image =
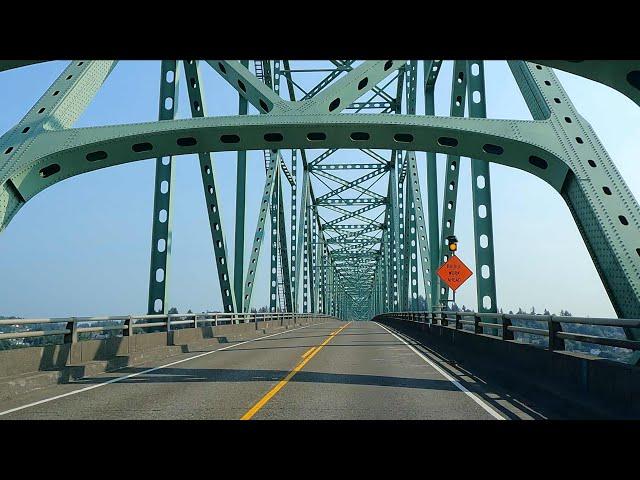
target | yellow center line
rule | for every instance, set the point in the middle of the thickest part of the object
(262, 402)
(308, 352)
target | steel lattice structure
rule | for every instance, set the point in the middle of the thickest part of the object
(352, 251)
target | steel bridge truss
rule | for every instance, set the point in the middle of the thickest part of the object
(360, 241)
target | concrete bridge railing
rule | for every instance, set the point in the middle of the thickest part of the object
(72, 326)
(67, 351)
(501, 325)
(485, 343)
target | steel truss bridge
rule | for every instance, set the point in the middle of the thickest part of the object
(359, 242)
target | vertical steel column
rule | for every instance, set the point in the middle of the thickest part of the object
(482, 214)
(294, 236)
(273, 271)
(394, 232)
(332, 290)
(458, 94)
(284, 253)
(162, 199)
(418, 225)
(306, 232)
(382, 297)
(301, 246)
(411, 247)
(312, 258)
(406, 263)
(403, 274)
(431, 70)
(410, 232)
(318, 269)
(389, 260)
(241, 190)
(275, 158)
(325, 282)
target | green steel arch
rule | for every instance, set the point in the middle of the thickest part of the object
(371, 255)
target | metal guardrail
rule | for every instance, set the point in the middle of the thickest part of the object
(503, 328)
(70, 326)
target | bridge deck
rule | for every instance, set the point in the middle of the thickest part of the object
(361, 371)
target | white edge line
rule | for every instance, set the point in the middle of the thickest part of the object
(119, 379)
(461, 387)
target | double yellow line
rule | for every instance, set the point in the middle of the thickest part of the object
(306, 357)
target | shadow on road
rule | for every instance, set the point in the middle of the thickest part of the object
(195, 375)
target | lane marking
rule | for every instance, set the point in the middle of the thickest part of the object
(488, 408)
(119, 379)
(263, 401)
(308, 352)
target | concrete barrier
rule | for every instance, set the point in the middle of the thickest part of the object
(596, 382)
(26, 369)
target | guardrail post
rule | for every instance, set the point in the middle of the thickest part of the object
(476, 327)
(432, 317)
(128, 323)
(195, 321)
(458, 324)
(555, 343)
(169, 322)
(72, 336)
(443, 320)
(506, 333)
(215, 320)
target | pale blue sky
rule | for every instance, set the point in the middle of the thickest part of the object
(82, 246)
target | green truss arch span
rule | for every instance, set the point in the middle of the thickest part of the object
(372, 267)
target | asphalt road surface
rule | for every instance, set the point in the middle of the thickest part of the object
(334, 370)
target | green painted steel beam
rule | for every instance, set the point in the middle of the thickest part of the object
(621, 75)
(431, 71)
(452, 172)
(273, 270)
(351, 201)
(354, 226)
(160, 257)
(301, 236)
(609, 223)
(259, 235)
(353, 85)
(241, 209)
(210, 189)
(419, 235)
(58, 108)
(250, 87)
(352, 183)
(481, 199)
(293, 227)
(346, 166)
(284, 253)
(499, 141)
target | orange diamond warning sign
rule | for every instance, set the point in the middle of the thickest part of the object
(454, 272)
